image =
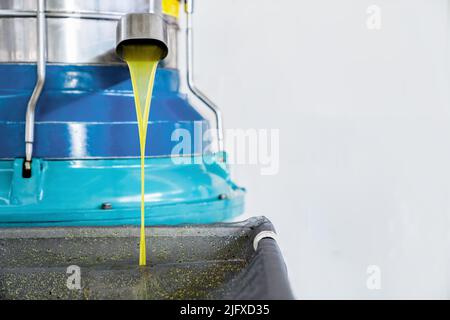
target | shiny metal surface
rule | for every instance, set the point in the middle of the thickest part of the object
(189, 9)
(78, 32)
(111, 6)
(70, 41)
(171, 61)
(143, 28)
(31, 108)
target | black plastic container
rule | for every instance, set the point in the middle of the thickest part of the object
(187, 262)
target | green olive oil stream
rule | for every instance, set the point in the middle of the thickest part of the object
(142, 62)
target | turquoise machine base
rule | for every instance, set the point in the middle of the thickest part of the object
(107, 192)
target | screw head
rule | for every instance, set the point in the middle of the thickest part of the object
(106, 206)
(223, 196)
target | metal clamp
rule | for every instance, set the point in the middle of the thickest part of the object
(189, 9)
(31, 108)
(264, 235)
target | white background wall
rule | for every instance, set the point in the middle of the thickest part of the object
(364, 119)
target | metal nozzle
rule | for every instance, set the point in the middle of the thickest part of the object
(142, 28)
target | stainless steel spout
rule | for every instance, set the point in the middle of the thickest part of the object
(142, 28)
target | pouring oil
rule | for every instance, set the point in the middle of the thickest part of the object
(142, 62)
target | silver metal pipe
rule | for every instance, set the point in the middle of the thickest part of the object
(41, 63)
(189, 9)
(142, 28)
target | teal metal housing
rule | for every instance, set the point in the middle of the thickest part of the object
(87, 168)
(107, 192)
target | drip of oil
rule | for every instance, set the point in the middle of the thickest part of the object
(142, 62)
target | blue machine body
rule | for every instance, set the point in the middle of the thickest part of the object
(86, 166)
(88, 112)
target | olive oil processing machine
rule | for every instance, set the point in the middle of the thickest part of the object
(70, 168)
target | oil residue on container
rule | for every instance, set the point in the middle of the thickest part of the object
(142, 62)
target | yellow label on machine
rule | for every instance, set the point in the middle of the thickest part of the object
(171, 8)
